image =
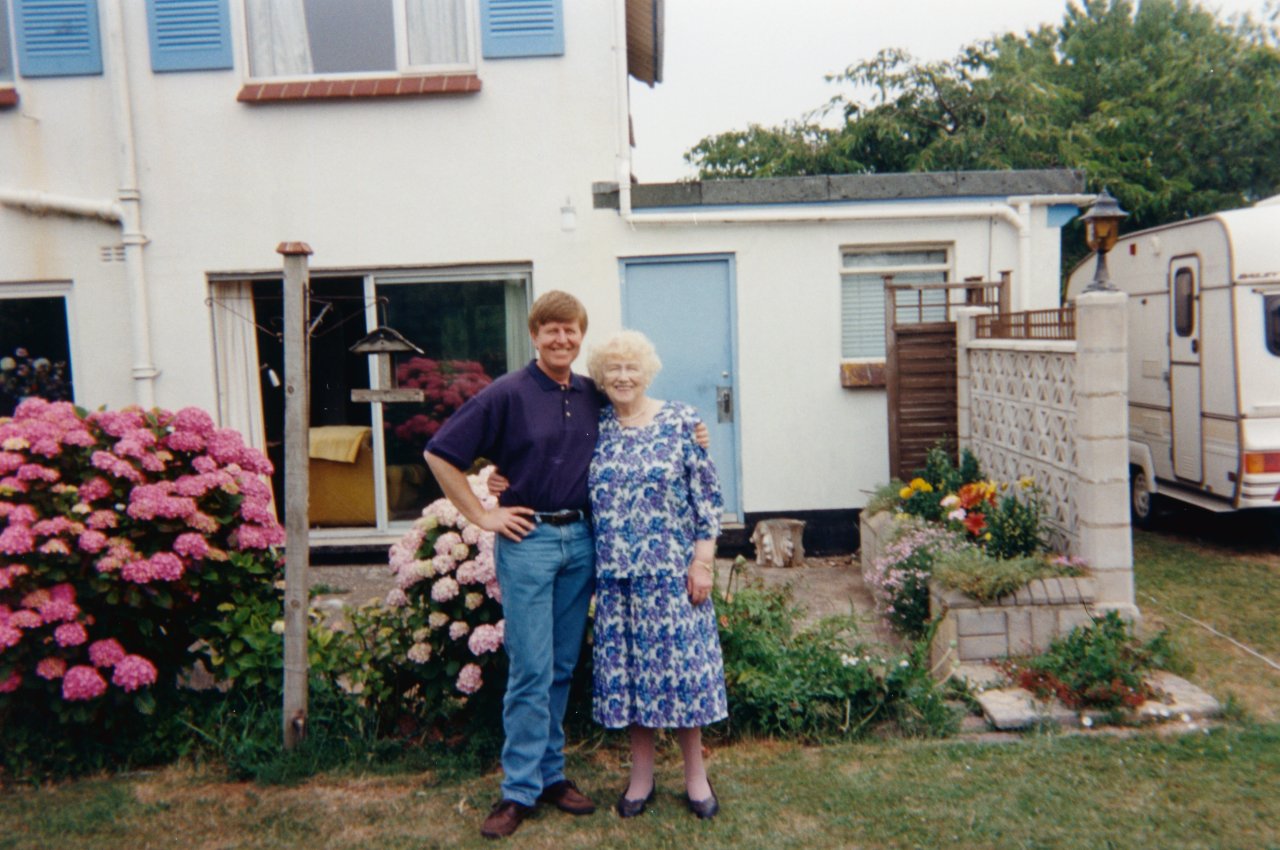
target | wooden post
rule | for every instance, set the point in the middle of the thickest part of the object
(297, 414)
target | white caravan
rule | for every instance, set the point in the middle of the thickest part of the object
(1204, 358)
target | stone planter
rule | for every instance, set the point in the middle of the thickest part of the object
(873, 534)
(1023, 623)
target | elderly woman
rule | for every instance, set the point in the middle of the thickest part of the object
(655, 505)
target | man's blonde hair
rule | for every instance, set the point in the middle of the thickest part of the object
(557, 306)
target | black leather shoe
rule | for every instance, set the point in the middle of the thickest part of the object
(628, 808)
(705, 809)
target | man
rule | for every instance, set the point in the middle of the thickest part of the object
(538, 425)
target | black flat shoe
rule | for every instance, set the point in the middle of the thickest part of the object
(705, 809)
(628, 808)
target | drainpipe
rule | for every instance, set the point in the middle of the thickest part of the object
(130, 203)
(623, 97)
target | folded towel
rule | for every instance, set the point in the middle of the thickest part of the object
(339, 443)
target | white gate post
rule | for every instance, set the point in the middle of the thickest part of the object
(1102, 444)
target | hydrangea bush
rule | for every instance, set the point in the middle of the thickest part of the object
(435, 645)
(121, 532)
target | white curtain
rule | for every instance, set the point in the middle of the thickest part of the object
(235, 345)
(437, 32)
(278, 41)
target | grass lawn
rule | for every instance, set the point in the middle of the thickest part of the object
(1144, 789)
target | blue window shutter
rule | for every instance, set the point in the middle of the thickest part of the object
(510, 28)
(189, 35)
(58, 38)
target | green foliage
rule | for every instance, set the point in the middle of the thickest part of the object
(818, 683)
(899, 578)
(1174, 110)
(885, 498)
(1101, 666)
(987, 577)
(1014, 524)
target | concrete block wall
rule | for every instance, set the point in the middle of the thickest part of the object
(1072, 437)
(1023, 623)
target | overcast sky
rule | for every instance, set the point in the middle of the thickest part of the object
(729, 63)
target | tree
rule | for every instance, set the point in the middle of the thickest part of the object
(1177, 112)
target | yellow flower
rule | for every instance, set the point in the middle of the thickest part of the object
(987, 536)
(921, 485)
(1026, 481)
(905, 493)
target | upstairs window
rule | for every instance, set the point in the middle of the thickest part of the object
(298, 38)
(862, 293)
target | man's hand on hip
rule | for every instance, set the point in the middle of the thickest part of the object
(511, 523)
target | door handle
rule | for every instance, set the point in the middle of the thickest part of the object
(1195, 346)
(724, 404)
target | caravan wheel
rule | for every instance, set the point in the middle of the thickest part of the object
(1142, 502)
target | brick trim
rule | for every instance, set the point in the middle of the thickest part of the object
(8, 97)
(347, 89)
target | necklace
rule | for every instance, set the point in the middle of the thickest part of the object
(643, 410)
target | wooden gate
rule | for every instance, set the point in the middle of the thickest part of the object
(920, 363)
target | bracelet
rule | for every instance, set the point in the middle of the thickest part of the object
(703, 564)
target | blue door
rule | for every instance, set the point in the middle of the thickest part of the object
(685, 305)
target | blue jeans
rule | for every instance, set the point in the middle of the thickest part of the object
(547, 580)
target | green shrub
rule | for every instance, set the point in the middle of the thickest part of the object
(1098, 666)
(818, 683)
(986, 577)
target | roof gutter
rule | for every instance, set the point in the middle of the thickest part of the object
(1015, 211)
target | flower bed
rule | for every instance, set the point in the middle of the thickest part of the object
(953, 549)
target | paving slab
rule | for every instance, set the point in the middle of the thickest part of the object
(1017, 708)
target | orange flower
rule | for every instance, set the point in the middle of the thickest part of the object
(975, 522)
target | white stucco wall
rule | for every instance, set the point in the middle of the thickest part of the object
(444, 181)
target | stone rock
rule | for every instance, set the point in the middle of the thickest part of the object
(779, 542)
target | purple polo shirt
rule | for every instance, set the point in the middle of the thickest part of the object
(541, 436)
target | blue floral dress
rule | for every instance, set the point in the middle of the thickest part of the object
(653, 493)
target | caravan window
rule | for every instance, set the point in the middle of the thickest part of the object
(1184, 292)
(1272, 313)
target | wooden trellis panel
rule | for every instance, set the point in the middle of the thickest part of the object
(920, 364)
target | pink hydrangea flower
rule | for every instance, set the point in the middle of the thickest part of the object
(27, 619)
(444, 590)
(191, 545)
(9, 636)
(458, 630)
(484, 638)
(36, 472)
(102, 519)
(70, 634)
(11, 684)
(396, 598)
(185, 441)
(133, 672)
(92, 541)
(419, 653)
(470, 679)
(193, 420)
(105, 653)
(137, 570)
(51, 668)
(167, 566)
(82, 682)
(17, 539)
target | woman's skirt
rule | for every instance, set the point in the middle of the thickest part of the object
(657, 657)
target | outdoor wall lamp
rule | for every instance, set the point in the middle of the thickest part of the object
(1101, 229)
